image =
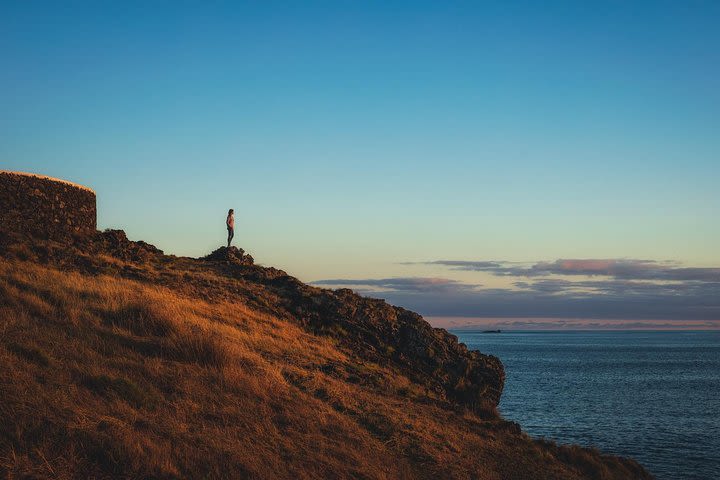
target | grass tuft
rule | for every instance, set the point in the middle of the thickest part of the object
(30, 354)
(196, 346)
(144, 317)
(123, 388)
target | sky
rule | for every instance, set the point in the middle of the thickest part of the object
(483, 163)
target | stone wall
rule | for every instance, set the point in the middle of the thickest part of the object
(45, 207)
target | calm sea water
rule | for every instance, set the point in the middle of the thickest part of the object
(653, 396)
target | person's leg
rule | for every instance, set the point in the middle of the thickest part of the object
(231, 234)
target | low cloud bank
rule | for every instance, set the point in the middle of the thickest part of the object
(628, 269)
(563, 289)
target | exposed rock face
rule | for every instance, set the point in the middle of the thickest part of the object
(45, 207)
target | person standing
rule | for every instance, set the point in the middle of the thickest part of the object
(230, 222)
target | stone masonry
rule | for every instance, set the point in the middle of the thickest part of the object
(45, 207)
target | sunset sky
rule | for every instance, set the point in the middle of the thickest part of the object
(506, 163)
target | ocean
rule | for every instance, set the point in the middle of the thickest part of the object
(653, 396)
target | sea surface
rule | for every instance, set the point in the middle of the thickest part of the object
(653, 396)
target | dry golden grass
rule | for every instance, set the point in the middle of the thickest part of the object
(103, 377)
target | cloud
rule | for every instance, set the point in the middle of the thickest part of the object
(570, 323)
(564, 289)
(492, 266)
(399, 284)
(628, 269)
(655, 302)
(461, 264)
(617, 268)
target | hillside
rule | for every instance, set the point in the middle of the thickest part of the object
(117, 360)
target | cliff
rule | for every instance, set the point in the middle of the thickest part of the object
(121, 361)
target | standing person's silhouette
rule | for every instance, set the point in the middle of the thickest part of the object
(230, 222)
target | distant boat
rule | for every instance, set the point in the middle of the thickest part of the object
(492, 331)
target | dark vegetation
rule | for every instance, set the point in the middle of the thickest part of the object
(119, 361)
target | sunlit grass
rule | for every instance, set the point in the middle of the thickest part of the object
(102, 376)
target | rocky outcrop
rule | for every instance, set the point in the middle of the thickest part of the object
(116, 244)
(231, 255)
(45, 207)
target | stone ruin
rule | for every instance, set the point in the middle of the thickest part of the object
(45, 207)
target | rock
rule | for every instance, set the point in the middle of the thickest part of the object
(232, 255)
(116, 244)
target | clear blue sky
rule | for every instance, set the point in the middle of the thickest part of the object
(352, 136)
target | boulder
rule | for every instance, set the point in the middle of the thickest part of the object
(231, 255)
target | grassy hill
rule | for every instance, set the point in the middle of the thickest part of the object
(118, 361)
